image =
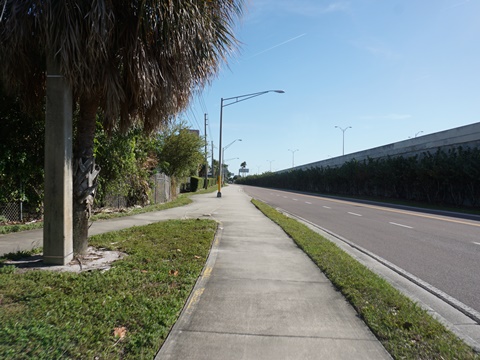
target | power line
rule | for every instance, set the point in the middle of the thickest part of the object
(195, 119)
(202, 103)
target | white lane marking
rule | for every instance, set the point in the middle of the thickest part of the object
(295, 199)
(309, 203)
(397, 211)
(476, 243)
(354, 214)
(285, 197)
(405, 226)
(327, 207)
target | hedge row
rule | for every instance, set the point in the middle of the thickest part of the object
(446, 178)
(198, 183)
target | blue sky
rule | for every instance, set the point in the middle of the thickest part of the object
(389, 69)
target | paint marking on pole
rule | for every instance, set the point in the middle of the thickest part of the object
(405, 226)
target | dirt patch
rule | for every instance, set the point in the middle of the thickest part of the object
(95, 259)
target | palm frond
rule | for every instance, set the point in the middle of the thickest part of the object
(142, 59)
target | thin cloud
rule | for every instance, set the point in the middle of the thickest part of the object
(276, 46)
(307, 8)
(337, 6)
(377, 48)
(381, 51)
(457, 5)
(392, 116)
(313, 9)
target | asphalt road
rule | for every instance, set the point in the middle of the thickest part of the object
(443, 251)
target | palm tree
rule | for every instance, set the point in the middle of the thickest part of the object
(137, 61)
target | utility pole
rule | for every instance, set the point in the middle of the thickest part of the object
(206, 155)
(212, 167)
(58, 222)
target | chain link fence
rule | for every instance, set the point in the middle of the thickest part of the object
(161, 189)
(12, 211)
(114, 201)
(160, 192)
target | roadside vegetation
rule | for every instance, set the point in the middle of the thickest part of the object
(125, 312)
(405, 330)
(182, 199)
(444, 178)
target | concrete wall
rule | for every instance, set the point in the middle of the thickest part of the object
(465, 136)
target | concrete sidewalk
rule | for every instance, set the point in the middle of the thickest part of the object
(201, 207)
(259, 297)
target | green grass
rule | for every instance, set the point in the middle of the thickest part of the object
(183, 199)
(179, 201)
(7, 229)
(46, 315)
(405, 330)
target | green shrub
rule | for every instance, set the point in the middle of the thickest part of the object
(196, 183)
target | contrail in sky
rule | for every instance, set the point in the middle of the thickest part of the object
(275, 46)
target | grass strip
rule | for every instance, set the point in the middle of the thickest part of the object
(181, 200)
(405, 330)
(48, 315)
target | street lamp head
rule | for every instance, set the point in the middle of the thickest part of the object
(279, 91)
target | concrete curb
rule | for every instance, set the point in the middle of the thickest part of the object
(457, 305)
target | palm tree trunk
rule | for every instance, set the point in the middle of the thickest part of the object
(85, 173)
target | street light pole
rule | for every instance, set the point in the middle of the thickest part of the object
(226, 147)
(223, 157)
(219, 176)
(205, 185)
(270, 161)
(235, 99)
(343, 142)
(293, 156)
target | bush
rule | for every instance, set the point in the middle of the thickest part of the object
(196, 183)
